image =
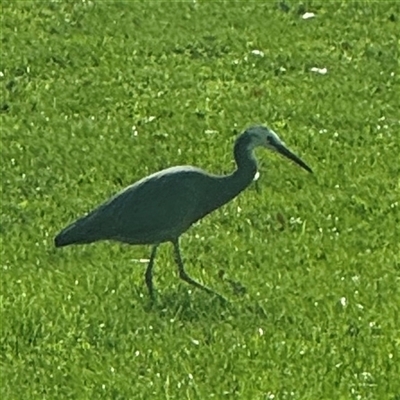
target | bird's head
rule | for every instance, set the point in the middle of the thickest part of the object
(265, 137)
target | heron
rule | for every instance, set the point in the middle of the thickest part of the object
(161, 207)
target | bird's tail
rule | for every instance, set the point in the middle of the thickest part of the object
(79, 232)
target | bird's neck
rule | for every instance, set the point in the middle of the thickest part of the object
(224, 188)
(246, 164)
(244, 174)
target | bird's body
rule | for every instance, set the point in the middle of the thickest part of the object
(162, 206)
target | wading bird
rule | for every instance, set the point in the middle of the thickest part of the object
(162, 206)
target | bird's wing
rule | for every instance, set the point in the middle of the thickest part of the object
(152, 210)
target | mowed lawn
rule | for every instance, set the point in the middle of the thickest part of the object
(96, 95)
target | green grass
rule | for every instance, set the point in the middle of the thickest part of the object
(97, 95)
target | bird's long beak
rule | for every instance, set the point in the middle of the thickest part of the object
(287, 153)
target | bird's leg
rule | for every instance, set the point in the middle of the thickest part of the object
(149, 271)
(183, 275)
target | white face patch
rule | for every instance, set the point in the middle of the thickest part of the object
(264, 137)
(273, 140)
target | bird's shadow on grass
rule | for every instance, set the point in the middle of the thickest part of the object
(189, 306)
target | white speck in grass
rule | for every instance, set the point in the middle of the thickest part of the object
(343, 301)
(366, 375)
(260, 331)
(321, 71)
(390, 355)
(210, 132)
(195, 341)
(76, 282)
(112, 370)
(295, 221)
(149, 119)
(103, 386)
(137, 353)
(140, 260)
(256, 176)
(134, 130)
(270, 396)
(92, 117)
(308, 15)
(360, 306)
(190, 376)
(239, 210)
(1, 74)
(335, 135)
(258, 53)
(323, 131)
(355, 279)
